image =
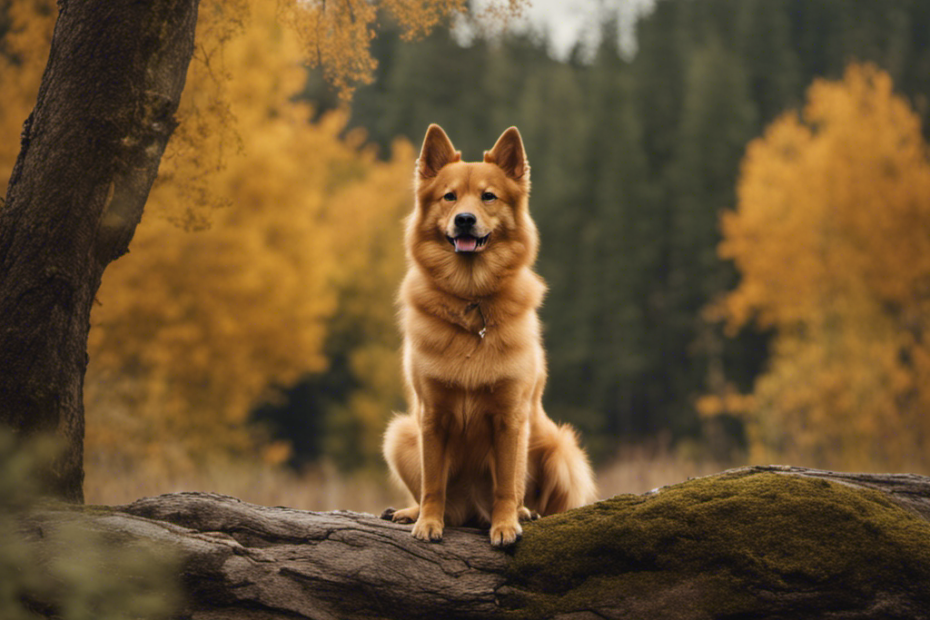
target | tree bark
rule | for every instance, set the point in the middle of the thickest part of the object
(90, 152)
(256, 563)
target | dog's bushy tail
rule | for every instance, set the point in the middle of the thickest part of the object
(563, 476)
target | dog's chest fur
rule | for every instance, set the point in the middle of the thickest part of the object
(471, 343)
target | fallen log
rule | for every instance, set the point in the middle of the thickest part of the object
(754, 542)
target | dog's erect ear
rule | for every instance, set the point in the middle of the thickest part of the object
(437, 151)
(509, 155)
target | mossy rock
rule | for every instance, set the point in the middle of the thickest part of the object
(745, 545)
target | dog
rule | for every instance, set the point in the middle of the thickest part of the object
(476, 447)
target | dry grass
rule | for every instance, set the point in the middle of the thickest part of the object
(643, 467)
(636, 469)
(321, 488)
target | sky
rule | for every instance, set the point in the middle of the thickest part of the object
(566, 21)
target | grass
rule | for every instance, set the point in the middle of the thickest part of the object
(111, 481)
(638, 468)
(320, 488)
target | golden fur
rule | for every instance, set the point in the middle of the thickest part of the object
(473, 358)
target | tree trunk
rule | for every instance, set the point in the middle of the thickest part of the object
(761, 542)
(90, 152)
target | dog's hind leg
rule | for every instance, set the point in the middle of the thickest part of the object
(402, 453)
(560, 475)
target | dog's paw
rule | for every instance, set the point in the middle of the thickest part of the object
(407, 515)
(429, 530)
(505, 534)
(525, 514)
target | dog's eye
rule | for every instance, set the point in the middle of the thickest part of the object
(488, 196)
(449, 196)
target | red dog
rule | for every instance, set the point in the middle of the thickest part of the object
(476, 446)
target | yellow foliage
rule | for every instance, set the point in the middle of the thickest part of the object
(832, 238)
(337, 34)
(418, 17)
(332, 34)
(194, 328)
(371, 267)
(728, 400)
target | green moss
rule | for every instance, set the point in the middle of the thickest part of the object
(723, 543)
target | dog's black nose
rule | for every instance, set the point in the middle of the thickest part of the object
(465, 220)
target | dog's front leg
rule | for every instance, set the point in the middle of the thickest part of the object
(511, 442)
(433, 457)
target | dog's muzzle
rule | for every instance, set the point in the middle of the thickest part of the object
(465, 239)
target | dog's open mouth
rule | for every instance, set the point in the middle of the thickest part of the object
(468, 243)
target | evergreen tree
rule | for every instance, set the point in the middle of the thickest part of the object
(618, 255)
(763, 43)
(718, 119)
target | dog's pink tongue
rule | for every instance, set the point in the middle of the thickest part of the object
(465, 244)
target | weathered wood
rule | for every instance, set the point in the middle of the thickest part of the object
(249, 562)
(90, 152)
(322, 565)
